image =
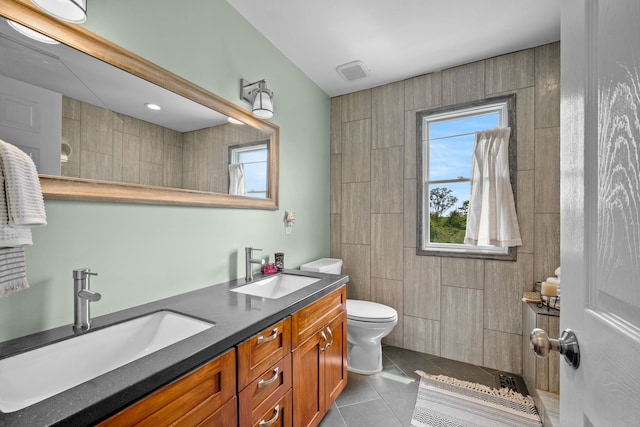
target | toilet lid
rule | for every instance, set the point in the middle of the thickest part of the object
(368, 311)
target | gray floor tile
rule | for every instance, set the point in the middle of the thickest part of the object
(387, 399)
(367, 414)
(358, 390)
(333, 418)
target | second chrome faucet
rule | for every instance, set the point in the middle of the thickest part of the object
(249, 261)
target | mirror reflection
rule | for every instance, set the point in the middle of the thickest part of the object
(80, 117)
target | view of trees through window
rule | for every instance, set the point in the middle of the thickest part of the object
(447, 225)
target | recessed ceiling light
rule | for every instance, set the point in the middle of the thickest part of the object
(152, 106)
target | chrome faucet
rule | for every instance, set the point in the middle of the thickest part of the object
(82, 295)
(248, 260)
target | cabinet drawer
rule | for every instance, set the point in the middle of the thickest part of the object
(265, 391)
(197, 394)
(278, 415)
(262, 351)
(308, 321)
(226, 416)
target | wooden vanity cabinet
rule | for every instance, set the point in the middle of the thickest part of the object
(276, 386)
(264, 377)
(203, 397)
(320, 357)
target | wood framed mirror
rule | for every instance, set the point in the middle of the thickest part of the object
(178, 175)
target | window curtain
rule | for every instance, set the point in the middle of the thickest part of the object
(236, 179)
(491, 219)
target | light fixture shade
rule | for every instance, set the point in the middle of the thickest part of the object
(263, 105)
(26, 31)
(74, 11)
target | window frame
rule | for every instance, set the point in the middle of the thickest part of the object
(460, 250)
(246, 147)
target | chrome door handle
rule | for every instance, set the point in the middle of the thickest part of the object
(567, 345)
(263, 383)
(326, 342)
(330, 336)
(265, 423)
(262, 340)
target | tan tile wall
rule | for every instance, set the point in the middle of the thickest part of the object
(463, 309)
(114, 147)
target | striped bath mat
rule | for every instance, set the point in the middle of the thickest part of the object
(445, 401)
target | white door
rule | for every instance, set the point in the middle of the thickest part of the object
(600, 210)
(31, 119)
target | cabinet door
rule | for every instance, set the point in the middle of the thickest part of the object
(308, 389)
(335, 359)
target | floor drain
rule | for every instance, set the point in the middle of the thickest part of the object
(513, 382)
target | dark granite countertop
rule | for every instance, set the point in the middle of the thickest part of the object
(236, 317)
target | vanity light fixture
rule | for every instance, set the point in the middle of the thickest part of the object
(74, 11)
(152, 106)
(259, 96)
(34, 35)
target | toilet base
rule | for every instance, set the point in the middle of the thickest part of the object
(364, 359)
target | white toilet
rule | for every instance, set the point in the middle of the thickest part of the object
(367, 323)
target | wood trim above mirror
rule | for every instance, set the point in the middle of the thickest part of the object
(65, 188)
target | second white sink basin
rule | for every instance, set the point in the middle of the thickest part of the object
(276, 286)
(33, 376)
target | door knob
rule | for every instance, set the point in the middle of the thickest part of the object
(567, 345)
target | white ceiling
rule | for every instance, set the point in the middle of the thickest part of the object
(397, 39)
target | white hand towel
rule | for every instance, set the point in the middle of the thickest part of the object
(22, 188)
(557, 272)
(10, 236)
(21, 207)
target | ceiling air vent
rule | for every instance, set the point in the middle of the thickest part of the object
(353, 70)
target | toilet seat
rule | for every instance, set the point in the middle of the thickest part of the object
(372, 312)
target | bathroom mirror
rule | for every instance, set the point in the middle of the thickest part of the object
(113, 148)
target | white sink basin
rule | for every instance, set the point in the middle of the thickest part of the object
(276, 286)
(33, 376)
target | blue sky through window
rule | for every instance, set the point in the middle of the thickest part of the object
(451, 148)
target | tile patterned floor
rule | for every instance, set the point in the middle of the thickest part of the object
(387, 399)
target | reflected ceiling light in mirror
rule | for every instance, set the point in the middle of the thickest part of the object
(74, 11)
(234, 121)
(259, 96)
(152, 106)
(34, 35)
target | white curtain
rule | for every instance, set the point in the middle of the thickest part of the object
(236, 179)
(492, 220)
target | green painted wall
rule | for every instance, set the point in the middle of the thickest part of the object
(143, 252)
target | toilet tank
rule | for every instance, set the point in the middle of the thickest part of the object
(324, 265)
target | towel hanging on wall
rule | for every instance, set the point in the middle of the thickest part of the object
(21, 208)
(492, 219)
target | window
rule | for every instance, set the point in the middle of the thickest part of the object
(446, 138)
(254, 158)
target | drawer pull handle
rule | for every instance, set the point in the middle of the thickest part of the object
(271, 337)
(263, 383)
(272, 420)
(330, 336)
(326, 342)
